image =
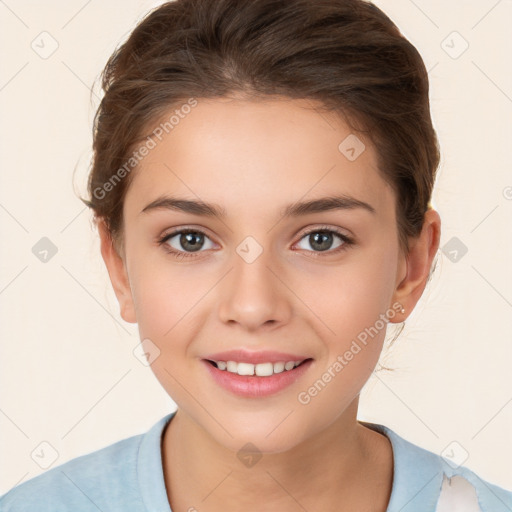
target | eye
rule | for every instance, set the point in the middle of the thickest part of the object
(326, 240)
(185, 242)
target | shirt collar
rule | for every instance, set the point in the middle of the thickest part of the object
(150, 471)
(417, 473)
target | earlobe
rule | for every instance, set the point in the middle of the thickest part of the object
(118, 274)
(418, 262)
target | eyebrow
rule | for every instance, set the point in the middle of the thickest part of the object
(322, 204)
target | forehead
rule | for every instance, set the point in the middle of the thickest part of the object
(247, 153)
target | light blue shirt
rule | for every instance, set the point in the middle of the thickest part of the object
(128, 476)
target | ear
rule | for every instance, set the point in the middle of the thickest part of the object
(118, 274)
(418, 263)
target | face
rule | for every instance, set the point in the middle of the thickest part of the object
(311, 285)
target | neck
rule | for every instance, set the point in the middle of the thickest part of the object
(346, 462)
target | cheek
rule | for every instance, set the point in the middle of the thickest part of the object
(350, 297)
(164, 296)
(166, 305)
(356, 307)
(162, 289)
(157, 302)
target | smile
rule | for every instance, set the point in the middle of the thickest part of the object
(259, 378)
(261, 369)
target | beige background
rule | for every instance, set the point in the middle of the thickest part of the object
(68, 374)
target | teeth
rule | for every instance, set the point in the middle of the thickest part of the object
(261, 369)
(289, 365)
(278, 367)
(245, 369)
(264, 369)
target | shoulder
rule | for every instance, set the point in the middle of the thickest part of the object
(424, 481)
(106, 479)
(81, 482)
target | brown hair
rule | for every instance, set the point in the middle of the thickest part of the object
(346, 54)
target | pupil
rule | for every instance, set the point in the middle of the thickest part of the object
(188, 239)
(323, 239)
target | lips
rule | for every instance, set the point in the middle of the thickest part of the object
(256, 374)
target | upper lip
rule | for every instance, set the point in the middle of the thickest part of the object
(255, 357)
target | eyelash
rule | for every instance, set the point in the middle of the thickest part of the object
(347, 241)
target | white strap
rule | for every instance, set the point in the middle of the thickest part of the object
(457, 495)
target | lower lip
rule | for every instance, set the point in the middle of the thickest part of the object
(254, 386)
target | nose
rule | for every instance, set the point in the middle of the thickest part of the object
(253, 296)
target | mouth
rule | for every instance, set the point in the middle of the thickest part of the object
(256, 375)
(264, 369)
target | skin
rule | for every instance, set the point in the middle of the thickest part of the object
(315, 455)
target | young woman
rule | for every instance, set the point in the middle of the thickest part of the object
(261, 184)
